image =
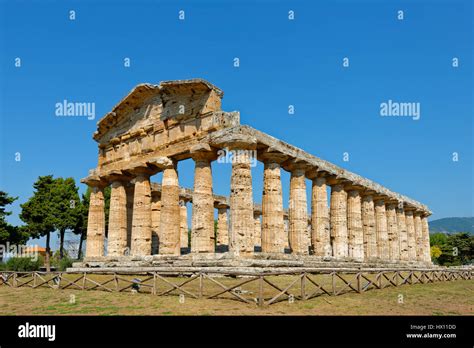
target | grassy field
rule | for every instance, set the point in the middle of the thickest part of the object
(441, 298)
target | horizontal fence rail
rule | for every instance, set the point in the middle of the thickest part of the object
(249, 287)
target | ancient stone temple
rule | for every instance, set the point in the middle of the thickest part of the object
(346, 219)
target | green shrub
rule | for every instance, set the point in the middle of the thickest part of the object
(62, 265)
(24, 264)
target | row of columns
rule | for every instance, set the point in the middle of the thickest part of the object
(357, 224)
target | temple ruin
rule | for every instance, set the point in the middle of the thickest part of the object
(156, 126)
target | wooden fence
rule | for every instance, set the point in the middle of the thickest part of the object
(249, 287)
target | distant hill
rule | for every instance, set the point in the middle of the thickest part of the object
(452, 225)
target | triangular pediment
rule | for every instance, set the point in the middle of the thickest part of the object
(149, 105)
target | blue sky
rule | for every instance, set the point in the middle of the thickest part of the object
(282, 62)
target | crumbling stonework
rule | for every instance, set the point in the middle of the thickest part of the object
(156, 126)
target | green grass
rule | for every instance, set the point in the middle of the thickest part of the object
(440, 298)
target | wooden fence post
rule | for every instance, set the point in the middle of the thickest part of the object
(260, 292)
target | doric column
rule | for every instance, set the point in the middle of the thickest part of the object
(170, 213)
(320, 232)
(298, 211)
(202, 232)
(426, 238)
(129, 189)
(402, 232)
(141, 220)
(418, 236)
(183, 214)
(273, 229)
(381, 229)
(222, 227)
(242, 224)
(411, 235)
(338, 220)
(368, 227)
(257, 236)
(155, 222)
(117, 234)
(96, 217)
(354, 225)
(392, 228)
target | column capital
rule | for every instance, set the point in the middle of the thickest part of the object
(161, 163)
(94, 180)
(333, 180)
(221, 205)
(135, 169)
(296, 165)
(349, 187)
(203, 152)
(235, 141)
(116, 175)
(271, 155)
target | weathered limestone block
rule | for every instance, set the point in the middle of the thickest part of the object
(368, 228)
(354, 225)
(117, 238)
(381, 228)
(183, 213)
(426, 239)
(242, 225)
(403, 236)
(298, 213)
(257, 237)
(418, 236)
(222, 227)
(320, 232)
(273, 229)
(141, 220)
(411, 235)
(338, 216)
(170, 213)
(392, 227)
(96, 223)
(155, 223)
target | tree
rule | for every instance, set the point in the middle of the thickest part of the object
(66, 208)
(9, 233)
(438, 239)
(455, 249)
(435, 253)
(38, 212)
